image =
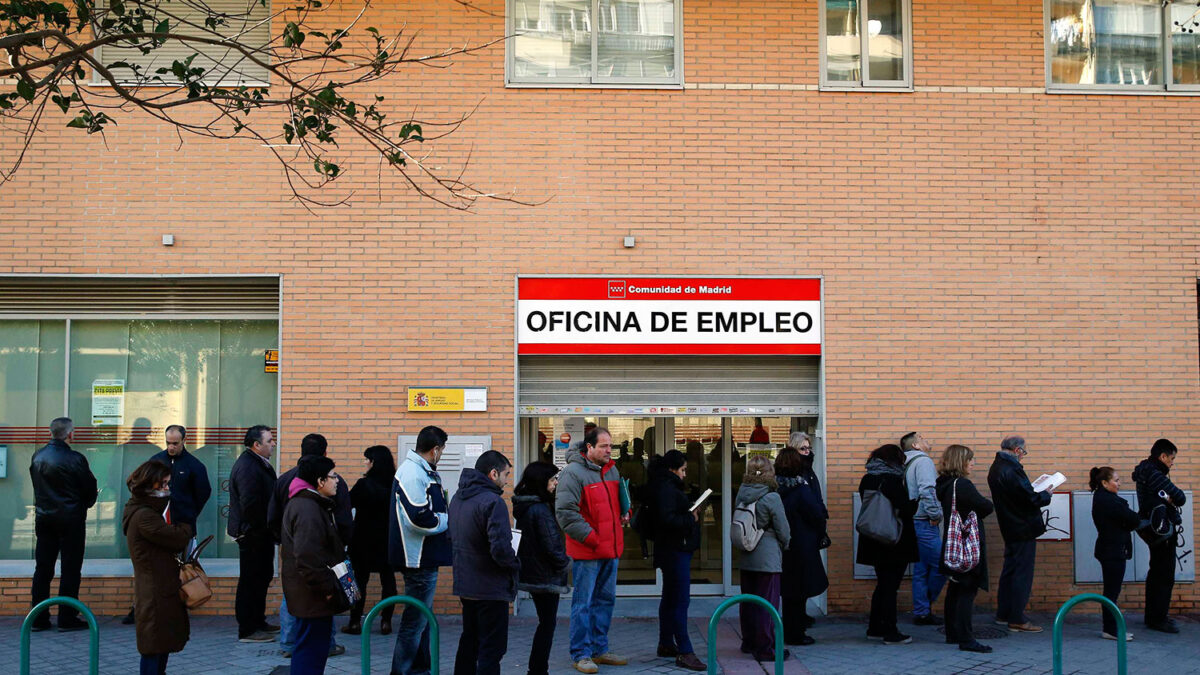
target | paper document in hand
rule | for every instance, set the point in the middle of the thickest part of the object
(1048, 481)
(706, 495)
(516, 540)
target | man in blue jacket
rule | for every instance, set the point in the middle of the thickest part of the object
(418, 544)
(485, 564)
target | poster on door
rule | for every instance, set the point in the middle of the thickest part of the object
(108, 403)
(571, 432)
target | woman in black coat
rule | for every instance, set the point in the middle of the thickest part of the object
(1114, 545)
(371, 498)
(676, 532)
(954, 488)
(543, 555)
(803, 571)
(885, 473)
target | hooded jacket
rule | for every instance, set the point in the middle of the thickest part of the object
(310, 546)
(417, 518)
(543, 555)
(588, 508)
(342, 513)
(485, 565)
(920, 475)
(1018, 507)
(190, 488)
(162, 618)
(64, 487)
(675, 529)
(889, 479)
(1151, 477)
(777, 534)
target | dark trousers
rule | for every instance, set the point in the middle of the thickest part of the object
(1016, 581)
(795, 619)
(256, 567)
(484, 637)
(153, 664)
(676, 596)
(362, 575)
(960, 604)
(546, 605)
(312, 645)
(1160, 580)
(1113, 572)
(758, 628)
(883, 601)
(53, 539)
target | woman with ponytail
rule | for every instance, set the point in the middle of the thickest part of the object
(1114, 546)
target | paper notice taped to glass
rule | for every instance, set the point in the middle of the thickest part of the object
(1048, 481)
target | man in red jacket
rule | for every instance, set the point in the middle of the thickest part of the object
(588, 508)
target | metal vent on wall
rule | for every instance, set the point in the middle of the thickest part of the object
(45, 296)
(687, 381)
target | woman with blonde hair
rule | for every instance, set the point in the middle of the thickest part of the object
(762, 566)
(955, 489)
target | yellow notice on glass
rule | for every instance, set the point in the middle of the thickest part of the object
(442, 399)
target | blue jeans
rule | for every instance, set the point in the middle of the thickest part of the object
(153, 664)
(676, 596)
(312, 646)
(288, 629)
(592, 606)
(927, 578)
(411, 655)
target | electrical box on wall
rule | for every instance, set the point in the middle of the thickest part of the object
(461, 452)
(1087, 569)
(3, 461)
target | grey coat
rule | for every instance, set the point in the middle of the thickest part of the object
(768, 555)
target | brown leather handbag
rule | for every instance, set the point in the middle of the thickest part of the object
(194, 588)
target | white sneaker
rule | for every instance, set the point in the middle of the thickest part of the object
(1109, 636)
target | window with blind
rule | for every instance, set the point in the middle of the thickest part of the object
(247, 21)
(1126, 45)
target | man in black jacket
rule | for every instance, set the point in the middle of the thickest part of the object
(485, 565)
(1019, 513)
(190, 488)
(1159, 501)
(312, 445)
(250, 482)
(64, 488)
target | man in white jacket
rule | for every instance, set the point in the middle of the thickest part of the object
(920, 475)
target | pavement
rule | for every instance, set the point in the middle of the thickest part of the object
(840, 648)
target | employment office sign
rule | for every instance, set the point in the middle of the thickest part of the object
(683, 315)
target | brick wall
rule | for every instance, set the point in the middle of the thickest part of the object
(996, 259)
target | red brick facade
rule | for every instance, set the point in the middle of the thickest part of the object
(996, 259)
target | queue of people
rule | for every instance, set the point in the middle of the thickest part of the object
(398, 519)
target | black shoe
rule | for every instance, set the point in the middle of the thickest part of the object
(269, 628)
(975, 646)
(39, 626)
(352, 629)
(1168, 626)
(770, 657)
(667, 652)
(385, 628)
(928, 620)
(128, 619)
(690, 662)
(897, 638)
(76, 624)
(337, 650)
(799, 640)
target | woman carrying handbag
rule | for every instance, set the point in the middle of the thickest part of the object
(964, 553)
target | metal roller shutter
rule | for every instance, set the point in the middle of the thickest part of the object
(728, 385)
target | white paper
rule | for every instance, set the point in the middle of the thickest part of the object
(516, 539)
(1048, 481)
(700, 500)
(340, 569)
(472, 452)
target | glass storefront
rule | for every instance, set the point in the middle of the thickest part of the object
(123, 382)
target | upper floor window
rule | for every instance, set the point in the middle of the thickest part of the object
(1122, 45)
(594, 42)
(866, 44)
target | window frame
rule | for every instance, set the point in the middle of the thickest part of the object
(865, 83)
(1167, 64)
(594, 81)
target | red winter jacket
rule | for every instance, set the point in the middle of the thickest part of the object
(588, 508)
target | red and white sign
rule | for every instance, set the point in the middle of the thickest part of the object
(658, 315)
